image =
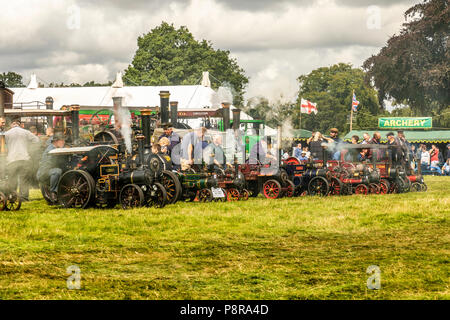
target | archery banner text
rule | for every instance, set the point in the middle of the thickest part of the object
(405, 123)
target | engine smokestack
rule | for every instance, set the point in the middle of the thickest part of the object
(49, 106)
(146, 127)
(236, 118)
(174, 113)
(75, 109)
(226, 115)
(164, 98)
(140, 140)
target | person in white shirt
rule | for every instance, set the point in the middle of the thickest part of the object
(18, 160)
(425, 157)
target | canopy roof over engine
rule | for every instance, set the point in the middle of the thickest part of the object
(423, 136)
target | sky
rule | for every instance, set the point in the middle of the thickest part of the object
(273, 41)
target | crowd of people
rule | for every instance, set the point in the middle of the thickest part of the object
(432, 161)
(28, 161)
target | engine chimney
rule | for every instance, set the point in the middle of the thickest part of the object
(146, 128)
(140, 140)
(174, 113)
(164, 98)
(226, 115)
(236, 118)
(49, 106)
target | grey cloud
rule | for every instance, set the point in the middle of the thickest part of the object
(380, 3)
(268, 37)
(127, 5)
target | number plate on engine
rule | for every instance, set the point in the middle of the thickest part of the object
(217, 193)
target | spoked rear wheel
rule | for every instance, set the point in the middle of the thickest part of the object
(76, 189)
(131, 196)
(157, 196)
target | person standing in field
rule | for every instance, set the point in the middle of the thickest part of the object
(18, 160)
(316, 146)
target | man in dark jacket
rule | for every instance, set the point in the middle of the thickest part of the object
(51, 167)
(172, 136)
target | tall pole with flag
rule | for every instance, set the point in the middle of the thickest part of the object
(300, 116)
(351, 113)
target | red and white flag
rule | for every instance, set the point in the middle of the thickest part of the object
(308, 107)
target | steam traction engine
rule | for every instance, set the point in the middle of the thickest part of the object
(101, 176)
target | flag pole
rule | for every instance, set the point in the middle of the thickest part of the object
(300, 115)
(351, 112)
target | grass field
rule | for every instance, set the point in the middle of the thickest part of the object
(301, 248)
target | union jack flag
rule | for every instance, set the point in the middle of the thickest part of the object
(355, 102)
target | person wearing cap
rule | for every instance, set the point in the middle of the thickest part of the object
(335, 141)
(172, 136)
(18, 160)
(394, 152)
(303, 156)
(51, 167)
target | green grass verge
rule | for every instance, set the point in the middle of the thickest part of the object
(300, 248)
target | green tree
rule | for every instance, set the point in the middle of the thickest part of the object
(170, 56)
(414, 66)
(11, 79)
(331, 88)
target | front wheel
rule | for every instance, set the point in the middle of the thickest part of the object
(13, 202)
(272, 189)
(318, 186)
(131, 196)
(205, 195)
(157, 196)
(233, 194)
